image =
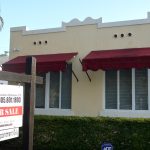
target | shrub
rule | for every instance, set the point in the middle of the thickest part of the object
(86, 133)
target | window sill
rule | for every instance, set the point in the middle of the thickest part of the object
(126, 113)
(54, 112)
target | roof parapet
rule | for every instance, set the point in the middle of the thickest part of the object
(87, 21)
(125, 23)
(77, 22)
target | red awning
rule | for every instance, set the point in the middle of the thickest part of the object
(45, 63)
(117, 59)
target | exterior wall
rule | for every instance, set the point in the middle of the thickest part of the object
(82, 37)
(3, 59)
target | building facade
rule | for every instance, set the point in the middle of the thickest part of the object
(106, 67)
(3, 58)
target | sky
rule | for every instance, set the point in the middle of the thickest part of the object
(41, 14)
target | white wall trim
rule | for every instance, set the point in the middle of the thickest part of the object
(87, 21)
(47, 87)
(103, 101)
(16, 29)
(60, 84)
(148, 89)
(124, 23)
(118, 89)
(43, 31)
(133, 88)
(54, 112)
(126, 113)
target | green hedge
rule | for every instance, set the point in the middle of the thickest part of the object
(85, 133)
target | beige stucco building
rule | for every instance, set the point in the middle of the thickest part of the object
(104, 92)
(3, 59)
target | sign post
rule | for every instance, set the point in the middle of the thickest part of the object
(30, 81)
(28, 119)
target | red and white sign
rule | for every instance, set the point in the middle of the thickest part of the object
(11, 106)
(10, 111)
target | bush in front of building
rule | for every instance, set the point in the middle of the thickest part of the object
(86, 133)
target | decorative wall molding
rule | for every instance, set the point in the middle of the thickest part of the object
(77, 22)
(40, 31)
(124, 23)
(16, 29)
(87, 21)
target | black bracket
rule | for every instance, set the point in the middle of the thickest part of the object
(75, 76)
(86, 71)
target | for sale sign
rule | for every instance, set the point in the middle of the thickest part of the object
(11, 106)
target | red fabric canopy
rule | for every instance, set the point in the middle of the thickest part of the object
(45, 63)
(117, 59)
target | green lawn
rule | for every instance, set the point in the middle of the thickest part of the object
(86, 133)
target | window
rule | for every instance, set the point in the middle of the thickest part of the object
(40, 94)
(111, 90)
(54, 89)
(66, 88)
(141, 89)
(60, 89)
(126, 89)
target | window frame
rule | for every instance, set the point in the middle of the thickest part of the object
(44, 86)
(133, 92)
(47, 92)
(60, 84)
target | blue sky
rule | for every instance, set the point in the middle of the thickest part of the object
(39, 14)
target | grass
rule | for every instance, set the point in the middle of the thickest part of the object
(86, 133)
